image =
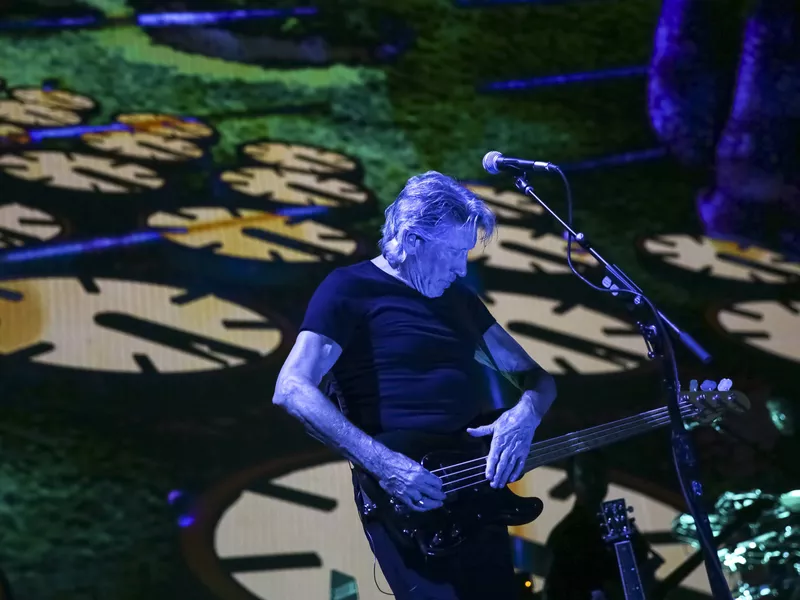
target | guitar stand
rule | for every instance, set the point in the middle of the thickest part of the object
(655, 328)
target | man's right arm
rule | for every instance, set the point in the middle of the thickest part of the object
(297, 392)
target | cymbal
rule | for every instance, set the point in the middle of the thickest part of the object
(791, 500)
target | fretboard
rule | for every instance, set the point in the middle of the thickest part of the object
(564, 446)
(629, 571)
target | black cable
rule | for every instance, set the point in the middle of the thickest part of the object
(669, 351)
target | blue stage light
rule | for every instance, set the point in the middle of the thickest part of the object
(62, 23)
(166, 19)
(616, 159)
(72, 248)
(565, 78)
(173, 19)
(37, 135)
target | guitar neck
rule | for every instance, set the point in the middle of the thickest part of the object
(564, 446)
(628, 571)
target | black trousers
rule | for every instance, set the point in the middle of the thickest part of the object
(482, 569)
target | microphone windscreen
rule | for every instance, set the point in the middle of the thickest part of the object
(490, 162)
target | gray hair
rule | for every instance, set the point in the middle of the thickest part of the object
(426, 202)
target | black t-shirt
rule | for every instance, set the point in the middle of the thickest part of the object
(407, 360)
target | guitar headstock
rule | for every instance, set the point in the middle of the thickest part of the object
(614, 520)
(711, 400)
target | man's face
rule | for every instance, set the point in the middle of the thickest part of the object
(439, 258)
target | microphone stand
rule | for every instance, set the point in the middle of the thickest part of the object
(655, 328)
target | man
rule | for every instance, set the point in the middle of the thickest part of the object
(400, 335)
(583, 565)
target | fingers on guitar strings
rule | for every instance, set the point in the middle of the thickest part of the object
(518, 468)
(504, 468)
(434, 491)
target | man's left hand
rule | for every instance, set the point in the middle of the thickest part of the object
(511, 442)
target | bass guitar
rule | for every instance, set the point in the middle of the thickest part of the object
(460, 462)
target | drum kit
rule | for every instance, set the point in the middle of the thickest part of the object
(758, 538)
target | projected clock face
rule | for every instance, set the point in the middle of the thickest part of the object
(255, 235)
(566, 339)
(80, 172)
(36, 115)
(722, 260)
(62, 99)
(296, 157)
(518, 246)
(652, 516)
(769, 326)
(507, 204)
(283, 537)
(7, 130)
(521, 249)
(296, 188)
(317, 531)
(144, 146)
(129, 327)
(20, 225)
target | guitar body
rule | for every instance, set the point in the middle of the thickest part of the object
(438, 533)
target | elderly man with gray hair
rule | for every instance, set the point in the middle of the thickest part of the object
(400, 335)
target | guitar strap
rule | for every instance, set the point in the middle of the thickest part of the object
(483, 350)
(330, 388)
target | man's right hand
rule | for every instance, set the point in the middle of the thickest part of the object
(410, 482)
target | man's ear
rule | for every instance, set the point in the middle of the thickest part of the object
(410, 243)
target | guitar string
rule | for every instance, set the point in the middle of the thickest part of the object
(556, 449)
(549, 447)
(481, 480)
(618, 427)
(683, 406)
(632, 418)
(589, 430)
(551, 455)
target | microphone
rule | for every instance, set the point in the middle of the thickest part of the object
(494, 162)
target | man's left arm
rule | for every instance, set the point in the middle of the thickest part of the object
(512, 433)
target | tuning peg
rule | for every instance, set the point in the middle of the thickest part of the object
(708, 385)
(693, 385)
(725, 385)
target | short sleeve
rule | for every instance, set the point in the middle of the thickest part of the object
(476, 309)
(330, 311)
